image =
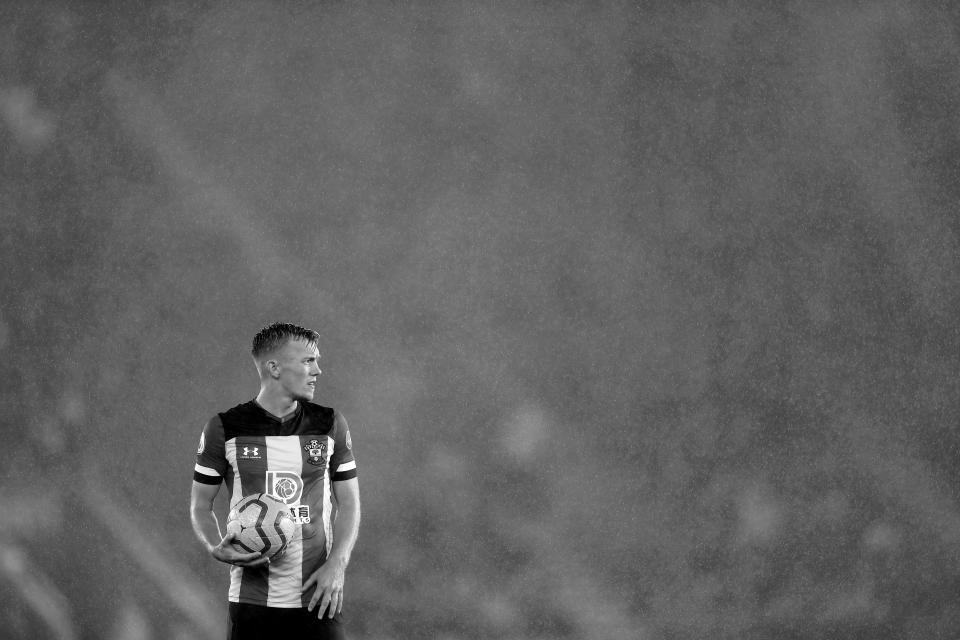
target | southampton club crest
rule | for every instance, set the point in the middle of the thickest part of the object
(316, 452)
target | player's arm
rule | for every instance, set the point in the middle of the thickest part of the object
(207, 528)
(329, 577)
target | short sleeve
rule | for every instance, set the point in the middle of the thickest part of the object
(211, 464)
(343, 466)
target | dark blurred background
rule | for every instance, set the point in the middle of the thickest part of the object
(644, 315)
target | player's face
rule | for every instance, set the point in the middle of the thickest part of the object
(299, 369)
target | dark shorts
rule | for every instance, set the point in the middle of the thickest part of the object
(256, 622)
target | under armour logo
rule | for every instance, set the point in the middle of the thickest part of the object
(250, 452)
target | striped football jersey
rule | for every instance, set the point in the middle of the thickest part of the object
(296, 460)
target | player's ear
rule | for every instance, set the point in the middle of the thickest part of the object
(268, 368)
(272, 367)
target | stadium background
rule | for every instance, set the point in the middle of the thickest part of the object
(644, 315)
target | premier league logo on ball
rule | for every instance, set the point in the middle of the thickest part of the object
(316, 452)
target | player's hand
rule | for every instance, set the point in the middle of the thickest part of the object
(226, 552)
(329, 593)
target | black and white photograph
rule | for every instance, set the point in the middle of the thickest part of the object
(469, 320)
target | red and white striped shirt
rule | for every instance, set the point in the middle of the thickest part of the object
(295, 459)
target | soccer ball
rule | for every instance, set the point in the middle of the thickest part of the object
(261, 524)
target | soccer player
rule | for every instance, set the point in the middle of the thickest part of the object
(284, 445)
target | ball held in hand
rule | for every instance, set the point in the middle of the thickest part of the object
(261, 524)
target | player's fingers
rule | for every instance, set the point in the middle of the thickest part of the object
(324, 603)
(246, 558)
(340, 602)
(250, 560)
(313, 599)
(336, 601)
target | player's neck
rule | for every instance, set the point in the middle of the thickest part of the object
(277, 405)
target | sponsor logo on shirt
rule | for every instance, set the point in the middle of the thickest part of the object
(249, 452)
(301, 514)
(285, 486)
(288, 487)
